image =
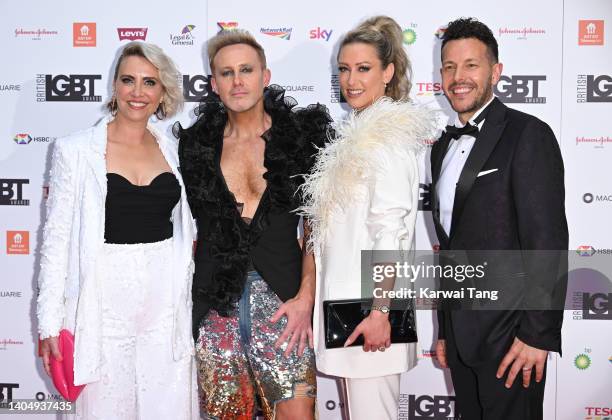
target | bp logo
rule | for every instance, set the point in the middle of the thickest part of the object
(582, 361)
(409, 36)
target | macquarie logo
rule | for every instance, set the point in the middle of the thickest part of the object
(298, 88)
(196, 87)
(132, 34)
(319, 33)
(521, 89)
(67, 88)
(592, 88)
(6, 87)
(10, 294)
(590, 32)
(11, 192)
(281, 33)
(590, 198)
(18, 242)
(84, 34)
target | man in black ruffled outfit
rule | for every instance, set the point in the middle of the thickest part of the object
(253, 287)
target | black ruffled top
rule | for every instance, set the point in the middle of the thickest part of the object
(226, 244)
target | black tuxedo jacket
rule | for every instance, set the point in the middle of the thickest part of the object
(520, 206)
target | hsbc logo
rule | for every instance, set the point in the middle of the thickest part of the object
(25, 138)
(132, 34)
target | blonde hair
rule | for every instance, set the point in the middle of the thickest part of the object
(233, 37)
(385, 35)
(169, 76)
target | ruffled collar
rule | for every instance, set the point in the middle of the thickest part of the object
(291, 142)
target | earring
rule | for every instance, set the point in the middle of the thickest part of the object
(113, 106)
(160, 113)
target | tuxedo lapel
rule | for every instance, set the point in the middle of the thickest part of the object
(441, 148)
(487, 140)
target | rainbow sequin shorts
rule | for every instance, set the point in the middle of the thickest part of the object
(238, 362)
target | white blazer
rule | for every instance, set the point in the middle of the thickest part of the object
(383, 218)
(363, 195)
(72, 239)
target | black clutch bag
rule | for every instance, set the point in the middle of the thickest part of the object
(341, 317)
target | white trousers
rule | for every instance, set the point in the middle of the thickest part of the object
(139, 378)
(373, 398)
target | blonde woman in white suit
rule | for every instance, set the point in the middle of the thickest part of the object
(363, 195)
(116, 260)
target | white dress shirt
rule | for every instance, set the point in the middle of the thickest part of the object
(452, 165)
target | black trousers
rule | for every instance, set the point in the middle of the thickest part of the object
(481, 396)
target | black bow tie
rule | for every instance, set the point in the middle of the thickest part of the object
(455, 133)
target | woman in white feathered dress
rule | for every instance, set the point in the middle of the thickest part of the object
(363, 195)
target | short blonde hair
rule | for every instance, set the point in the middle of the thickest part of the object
(169, 76)
(233, 37)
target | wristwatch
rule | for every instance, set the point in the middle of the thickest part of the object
(382, 308)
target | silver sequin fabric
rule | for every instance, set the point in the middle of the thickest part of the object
(237, 359)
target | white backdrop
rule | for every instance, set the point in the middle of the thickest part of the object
(557, 62)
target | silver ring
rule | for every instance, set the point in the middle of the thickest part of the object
(382, 348)
(525, 368)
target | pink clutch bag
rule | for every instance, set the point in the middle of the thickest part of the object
(63, 372)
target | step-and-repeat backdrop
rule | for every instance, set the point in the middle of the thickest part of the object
(557, 57)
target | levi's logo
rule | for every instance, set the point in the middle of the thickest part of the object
(132, 34)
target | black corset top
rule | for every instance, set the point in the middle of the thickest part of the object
(140, 214)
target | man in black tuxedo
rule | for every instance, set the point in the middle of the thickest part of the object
(497, 184)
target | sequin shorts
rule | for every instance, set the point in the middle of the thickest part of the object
(237, 359)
